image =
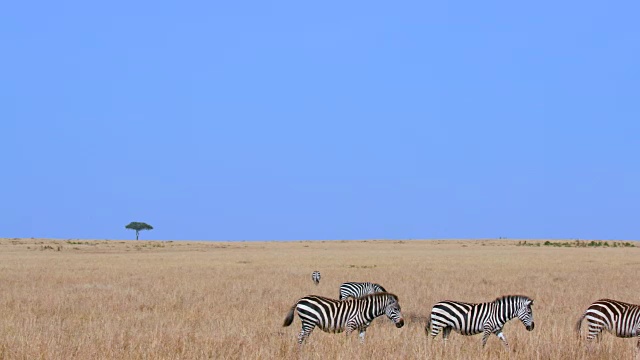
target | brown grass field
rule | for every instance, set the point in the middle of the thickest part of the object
(77, 299)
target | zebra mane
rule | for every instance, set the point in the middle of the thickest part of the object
(380, 294)
(519, 297)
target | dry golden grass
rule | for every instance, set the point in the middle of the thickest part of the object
(199, 300)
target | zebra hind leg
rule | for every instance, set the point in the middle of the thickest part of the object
(307, 328)
(595, 330)
(445, 334)
(432, 329)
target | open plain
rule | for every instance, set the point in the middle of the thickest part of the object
(108, 299)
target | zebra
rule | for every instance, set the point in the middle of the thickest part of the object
(486, 318)
(620, 318)
(316, 277)
(337, 316)
(359, 289)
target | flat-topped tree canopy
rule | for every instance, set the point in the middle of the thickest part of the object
(138, 226)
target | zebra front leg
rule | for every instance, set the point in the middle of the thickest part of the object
(362, 333)
(501, 336)
(349, 328)
(363, 330)
(485, 337)
(353, 326)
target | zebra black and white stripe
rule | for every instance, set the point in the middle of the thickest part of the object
(620, 318)
(487, 318)
(316, 277)
(336, 316)
(359, 289)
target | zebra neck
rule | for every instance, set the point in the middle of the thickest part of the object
(372, 309)
(504, 312)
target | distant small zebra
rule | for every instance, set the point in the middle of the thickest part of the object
(359, 289)
(487, 318)
(336, 316)
(619, 318)
(316, 277)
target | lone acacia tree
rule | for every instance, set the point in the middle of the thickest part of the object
(138, 226)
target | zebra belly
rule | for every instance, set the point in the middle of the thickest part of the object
(615, 329)
(460, 329)
(472, 325)
(335, 327)
(332, 330)
(624, 334)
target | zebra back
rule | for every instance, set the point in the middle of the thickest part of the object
(359, 289)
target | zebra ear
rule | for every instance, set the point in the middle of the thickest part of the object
(531, 302)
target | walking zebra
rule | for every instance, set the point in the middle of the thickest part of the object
(486, 318)
(336, 316)
(316, 277)
(359, 289)
(621, 319)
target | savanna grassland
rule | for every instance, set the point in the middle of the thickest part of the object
(77, 299)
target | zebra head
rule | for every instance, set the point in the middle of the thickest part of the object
(392, 310)
(524, 312)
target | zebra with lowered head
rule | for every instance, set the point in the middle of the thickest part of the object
(620, 318)
(337, 316)
(316, 277)
(359, 289)
(487, 318)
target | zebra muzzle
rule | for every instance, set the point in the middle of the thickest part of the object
(400, 323)
(529, 328)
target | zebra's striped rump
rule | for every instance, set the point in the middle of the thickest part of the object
(486, 318)
(620, 318)
(359, 289)
(336, 316)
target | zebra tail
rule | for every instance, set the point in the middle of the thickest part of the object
(428, 327)
(289, 319)
(579, 324)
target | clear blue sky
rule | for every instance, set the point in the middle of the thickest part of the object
(263, 120)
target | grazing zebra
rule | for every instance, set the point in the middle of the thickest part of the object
(316, 277)
(486, 318)
(336, 316)
(621, 319)
(359, 289)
